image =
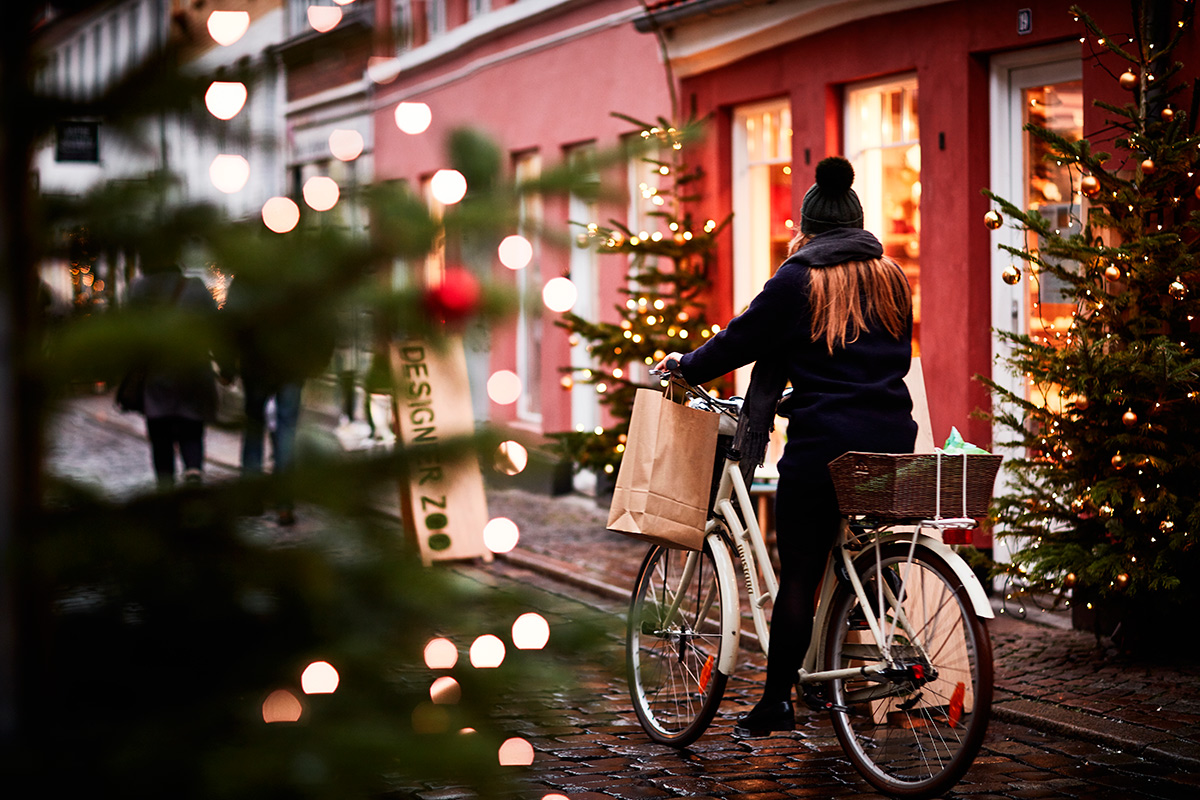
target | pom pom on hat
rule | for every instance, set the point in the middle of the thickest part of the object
(830, 203)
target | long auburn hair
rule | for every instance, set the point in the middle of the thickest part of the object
(848, 298)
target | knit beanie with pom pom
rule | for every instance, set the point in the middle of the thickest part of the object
(831, 203)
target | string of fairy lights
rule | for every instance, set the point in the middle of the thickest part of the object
(1135, 197)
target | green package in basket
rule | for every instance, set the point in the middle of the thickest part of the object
(955, 445)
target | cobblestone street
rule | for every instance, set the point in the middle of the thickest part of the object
(1072, 719)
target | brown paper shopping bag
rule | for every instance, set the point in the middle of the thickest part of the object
(665, 477)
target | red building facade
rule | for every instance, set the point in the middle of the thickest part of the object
(926, 98)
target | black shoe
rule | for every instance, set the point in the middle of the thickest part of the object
(766, 718)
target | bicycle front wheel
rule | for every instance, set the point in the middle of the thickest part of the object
(674, 642)
(914, 731)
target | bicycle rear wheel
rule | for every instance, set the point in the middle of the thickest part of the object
(674, 642)
(915, 732)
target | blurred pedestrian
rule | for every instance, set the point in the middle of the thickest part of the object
(179, 393)
(276, 355)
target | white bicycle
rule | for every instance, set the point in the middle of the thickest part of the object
(900, 642)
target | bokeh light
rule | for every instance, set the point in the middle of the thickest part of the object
(229, 173)
(321, 192)
(440, 654)
(445, 691)
(280, 214)
(448, 186)
(319, 677)
(346, 145)
(226, 27)
(281, 706)
(504, 387)
(516, 752)
(511, 457)
(555, 797)
(324, 18)
(224, 99)
(343, 2)
(487, 652)
(560, 294)
(515, 251)
(500, 535)
(413, 118)
(530, 631)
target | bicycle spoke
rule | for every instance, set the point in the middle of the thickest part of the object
(914, 730)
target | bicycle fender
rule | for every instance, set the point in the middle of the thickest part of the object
(979, 600)
(731, 622)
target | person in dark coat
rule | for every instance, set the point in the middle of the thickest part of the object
(276, 354)
(836, 321)
(180, 394)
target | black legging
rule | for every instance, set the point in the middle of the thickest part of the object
(167, 432)
(806, 524)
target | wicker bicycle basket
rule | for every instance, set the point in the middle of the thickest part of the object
(909, 486)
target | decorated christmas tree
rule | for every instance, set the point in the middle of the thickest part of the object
(664, 310)
(1104, 494)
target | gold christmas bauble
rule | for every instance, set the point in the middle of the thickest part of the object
(1168, 114)
(1112, 272)
(1081, 403)
(993, 219)
(566, 382)
(1129, 418)
(1011, 275)
(1148, 167)
(1090, 185)
(1122, 580)
(1118, 461)
(1128, 80)
(1177, 289)
(1069, 580)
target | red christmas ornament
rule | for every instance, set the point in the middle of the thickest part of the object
(456, 297)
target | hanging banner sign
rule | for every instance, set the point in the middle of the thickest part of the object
(442, 501)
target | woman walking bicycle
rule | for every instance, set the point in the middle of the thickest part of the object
(836, 322)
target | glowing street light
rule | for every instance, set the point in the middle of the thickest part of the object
(229, 173)
(504, 387)
(413, 117)
(224, 99)
(346, 145)
(500, 535)
(448, 186)
(226, 27)
(560, 294)
(515, 252)
(324, 18)
(487, 652)
(280, 214)
(321, 192)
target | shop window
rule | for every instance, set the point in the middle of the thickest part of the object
(762, 195)
(882, 141)
(1048, 190)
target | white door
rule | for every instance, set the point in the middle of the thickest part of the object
(1044, 87)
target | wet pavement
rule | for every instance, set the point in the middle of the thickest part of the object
(1073, 716)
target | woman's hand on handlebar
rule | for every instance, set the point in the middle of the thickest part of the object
(668, 365)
